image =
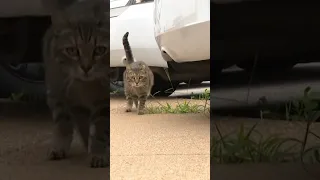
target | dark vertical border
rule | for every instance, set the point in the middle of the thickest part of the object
(212, 66)
(107, 13)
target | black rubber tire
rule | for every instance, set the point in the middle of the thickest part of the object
(116, 87)
(11, 84)
(164, 88)
(16, 80)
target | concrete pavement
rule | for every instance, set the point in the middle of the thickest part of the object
(142, 147)
(159, 147)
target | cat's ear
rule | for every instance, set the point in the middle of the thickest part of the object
(96, 9)
(62, 11)
(59, 18)
(56, 9)
(101, 9)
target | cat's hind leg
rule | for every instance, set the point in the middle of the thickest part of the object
(62, 133)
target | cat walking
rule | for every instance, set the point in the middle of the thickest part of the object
(138, 80)
(77, 73)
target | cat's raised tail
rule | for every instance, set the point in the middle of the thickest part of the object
(129, 57)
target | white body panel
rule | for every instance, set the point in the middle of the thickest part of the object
(117, 3)
(138, 21)
(182, 29)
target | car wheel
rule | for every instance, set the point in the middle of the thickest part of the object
(163, 88)
(24, 79)
(116, 87)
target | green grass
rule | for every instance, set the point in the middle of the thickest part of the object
(16, 96)
(187, 106)
(305, 108)
(180, 108)
(248, 145)
(114, 92)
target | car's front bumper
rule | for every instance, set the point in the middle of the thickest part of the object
(182, 29)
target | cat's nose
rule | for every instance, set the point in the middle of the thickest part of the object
(86, 69)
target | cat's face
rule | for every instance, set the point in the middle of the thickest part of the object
(137, 77)
(83, 51)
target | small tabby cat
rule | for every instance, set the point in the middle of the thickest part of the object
(138, 79)
(76, 58)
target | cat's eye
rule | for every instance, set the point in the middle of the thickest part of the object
(100, 50)
(141, 77)
(72, 51)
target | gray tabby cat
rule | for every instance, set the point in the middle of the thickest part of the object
(138, 79)
(76, 58)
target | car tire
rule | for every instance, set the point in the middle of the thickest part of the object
(163, 87)
(116, 87)
(11, 83)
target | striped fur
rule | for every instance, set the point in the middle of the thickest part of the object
(127, 49)
(77, 63)
(138, 80)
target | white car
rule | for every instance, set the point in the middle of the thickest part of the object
(136, 18)
(182, 31)
(164, 34)
(25, 23)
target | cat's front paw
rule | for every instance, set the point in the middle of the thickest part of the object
(56, 154)
(140, 112)
(99, 161)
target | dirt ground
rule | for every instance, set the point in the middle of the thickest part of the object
(148, 147)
